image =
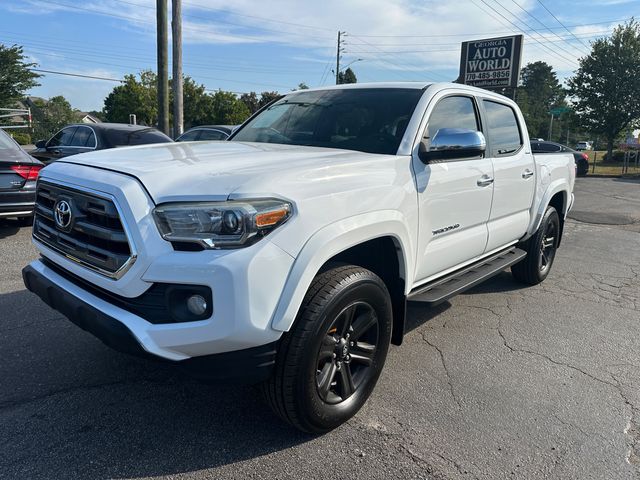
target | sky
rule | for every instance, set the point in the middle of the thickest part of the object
(249, 45)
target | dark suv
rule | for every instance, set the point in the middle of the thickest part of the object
(74, 139)
(18, 175)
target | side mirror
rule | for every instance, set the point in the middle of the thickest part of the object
(453, 143)
(41, 144)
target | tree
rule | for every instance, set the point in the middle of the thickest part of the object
(251, 101)
(228, 109)
(133, 96)
(198, 105)
(348, 76)
(50, 116)
(301, 86)
(16, 76)
(268, 97)
(539, 93)
(606, 87)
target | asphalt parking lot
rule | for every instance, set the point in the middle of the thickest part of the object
(502, 382)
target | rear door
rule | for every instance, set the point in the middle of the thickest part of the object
(513, 170)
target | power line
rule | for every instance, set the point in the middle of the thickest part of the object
(518, 30)
(562, 24)
(529, 26)
(484, 33)
(79, 75)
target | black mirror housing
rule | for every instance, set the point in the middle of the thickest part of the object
(41, 144)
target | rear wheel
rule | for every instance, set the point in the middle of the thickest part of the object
(330, 361)
(541, 250)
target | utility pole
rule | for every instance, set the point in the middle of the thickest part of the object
(550, 128)
(163, 66)
(338, 52)
(176, 35)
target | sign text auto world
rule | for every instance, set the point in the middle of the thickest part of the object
(491, 63)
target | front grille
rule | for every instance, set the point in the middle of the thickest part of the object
(95, 236)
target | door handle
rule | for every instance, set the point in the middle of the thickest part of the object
(485, 181)
(527, 174)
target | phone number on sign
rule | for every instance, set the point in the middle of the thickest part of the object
(488, 75)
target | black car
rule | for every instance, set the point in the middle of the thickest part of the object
(18, 175)
(581, 159)
(74, 139)
(206, 132)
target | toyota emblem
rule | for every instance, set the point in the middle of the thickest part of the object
(62, 214)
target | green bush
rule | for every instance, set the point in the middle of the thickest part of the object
(618, 156)
(23, 138)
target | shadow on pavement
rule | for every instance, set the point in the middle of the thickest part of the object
(85, 411)
(8, 228)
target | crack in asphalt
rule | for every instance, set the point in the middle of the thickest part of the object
(446, 369)
(421, 460)
(632, 430)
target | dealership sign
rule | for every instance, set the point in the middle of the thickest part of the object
(491, 63)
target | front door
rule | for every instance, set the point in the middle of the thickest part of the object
(454, 195)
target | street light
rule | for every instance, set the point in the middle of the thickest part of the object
(345, 67)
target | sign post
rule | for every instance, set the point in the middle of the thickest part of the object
(492, 63)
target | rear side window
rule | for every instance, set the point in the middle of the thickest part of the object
(452, 112)
(83, 138)
(504, 131)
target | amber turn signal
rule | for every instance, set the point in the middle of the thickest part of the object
(271, 218)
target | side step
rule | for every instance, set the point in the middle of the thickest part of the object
(457, 282)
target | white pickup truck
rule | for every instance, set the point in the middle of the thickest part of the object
(286, 255)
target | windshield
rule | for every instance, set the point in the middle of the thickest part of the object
(369, 120)
(7, 143)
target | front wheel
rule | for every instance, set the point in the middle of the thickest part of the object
(541, 250)
(330, 361)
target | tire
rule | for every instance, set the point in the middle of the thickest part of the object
(541, 250)
(326, 369)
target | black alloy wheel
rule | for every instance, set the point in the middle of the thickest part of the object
(346, 355)
(330, 360)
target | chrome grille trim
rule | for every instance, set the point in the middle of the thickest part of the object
(82, 244)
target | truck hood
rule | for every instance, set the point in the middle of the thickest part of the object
(216, 170)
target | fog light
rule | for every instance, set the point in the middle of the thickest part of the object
(197, 305)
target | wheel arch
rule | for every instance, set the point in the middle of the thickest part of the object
(558, 196)
(377, 241)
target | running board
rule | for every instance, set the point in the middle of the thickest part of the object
(443, 289)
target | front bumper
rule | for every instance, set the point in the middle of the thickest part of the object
(250, 365)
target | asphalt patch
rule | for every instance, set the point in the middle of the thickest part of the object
(600, 218)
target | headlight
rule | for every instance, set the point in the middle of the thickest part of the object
(229, 224)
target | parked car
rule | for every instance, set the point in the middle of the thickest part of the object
(18, 174)
(584, 146)
(581, 159)
(82, 138)
(206, 133)
(287, 254)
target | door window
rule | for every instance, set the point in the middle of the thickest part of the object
(189, 136)
(213, 135)
(452, 112)
(62, 138)
(504, 131)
